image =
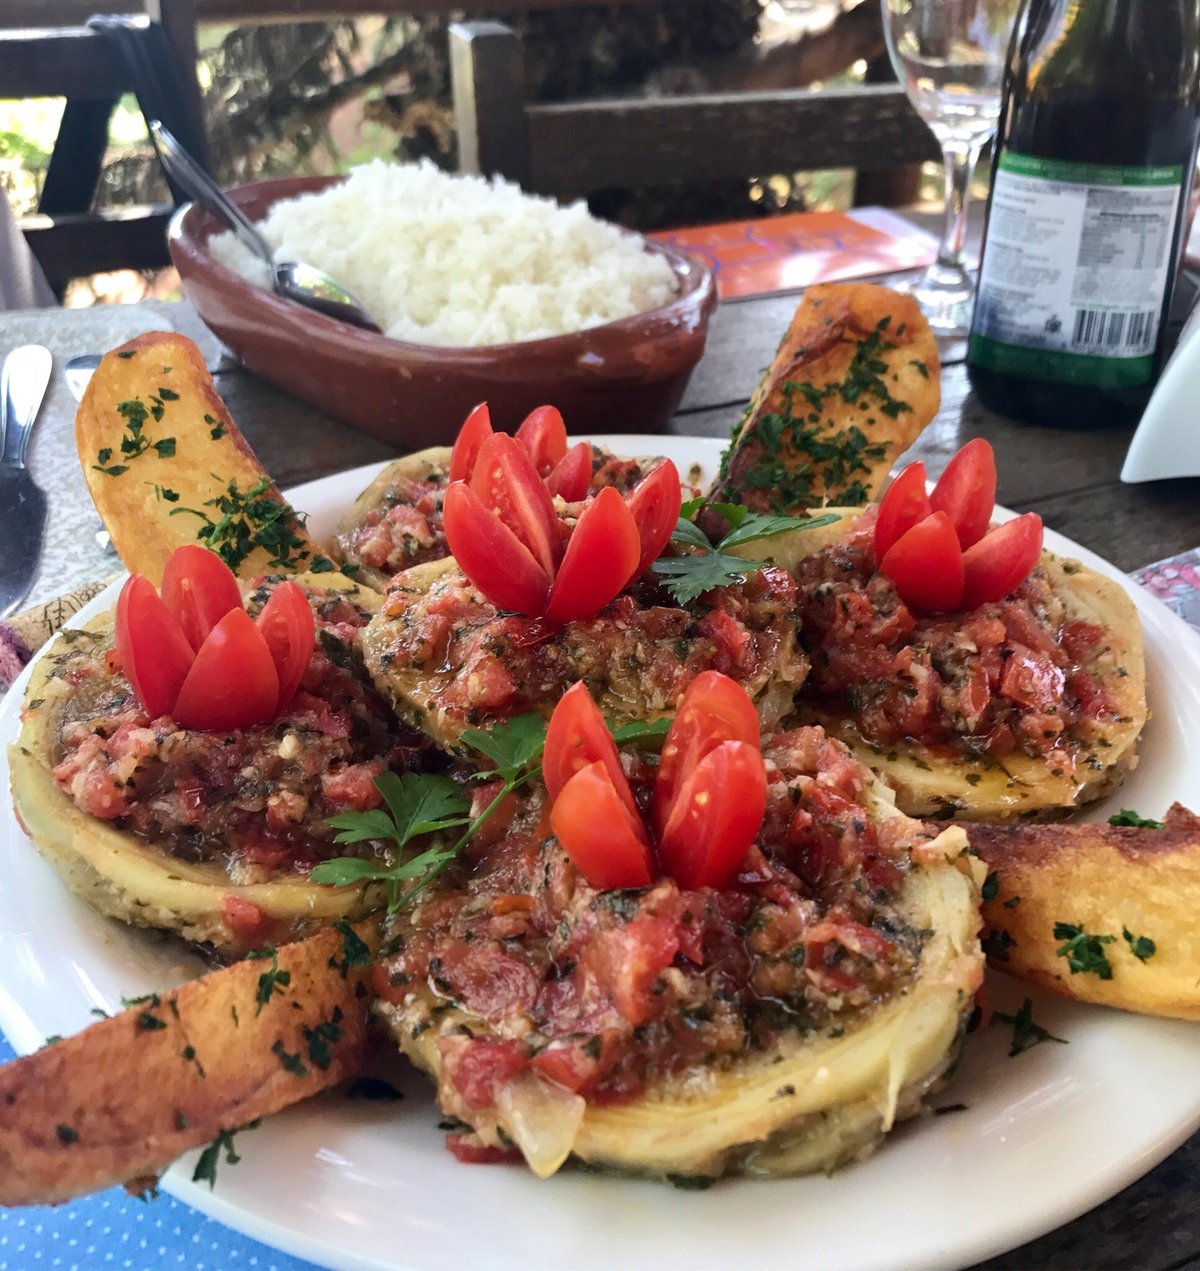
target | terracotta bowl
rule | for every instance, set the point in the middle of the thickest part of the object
(625, 376)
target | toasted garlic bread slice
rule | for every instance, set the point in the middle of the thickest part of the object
(855, 380)
(448, 660)
(132, 878)
(1133, 889)
(120, 1101)
(165, 464)
(964, 780)
(807, 1089)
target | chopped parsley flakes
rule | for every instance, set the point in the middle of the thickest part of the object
(355, 951)
(206, 1166)
(1142, 947)
(320, 1040)
(272, 980)
(799, 457)
(1084, 953)
(250, 519)
(134, 443)
(292, 1063)
(1128, 817)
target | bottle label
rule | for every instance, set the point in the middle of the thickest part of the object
(1076, 266)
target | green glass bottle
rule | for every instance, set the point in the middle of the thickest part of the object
(1091, 179)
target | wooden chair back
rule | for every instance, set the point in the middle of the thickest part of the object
(573, 149)
(92, 72)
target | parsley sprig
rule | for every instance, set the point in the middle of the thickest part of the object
(416, 804)
(419, 804)
(703, 567)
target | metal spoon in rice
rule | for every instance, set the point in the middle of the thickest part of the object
(294, 279)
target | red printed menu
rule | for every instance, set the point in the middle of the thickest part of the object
(785, 253)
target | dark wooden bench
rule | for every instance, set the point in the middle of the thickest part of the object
(573, 149)
(68, 238)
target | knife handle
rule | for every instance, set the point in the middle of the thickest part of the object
(22, 386)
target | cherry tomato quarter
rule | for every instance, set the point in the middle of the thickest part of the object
(904, 505)
(155, 654)
(199, 589)
(715, 816)
(289, 629)
(233, 682)
(597, 830)
(544, 436)
(508, 484)
(1001, 561)
(714, 709)
(476, 429)
(655, 502)
(966, 491)
(601, 557)
(577, 737)
(571, 476)
(926, 565)
(491, 555)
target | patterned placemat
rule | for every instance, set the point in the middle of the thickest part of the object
(1176, 582)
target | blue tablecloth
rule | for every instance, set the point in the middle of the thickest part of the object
(116, 1231)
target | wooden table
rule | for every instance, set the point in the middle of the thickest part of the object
(1070, 477)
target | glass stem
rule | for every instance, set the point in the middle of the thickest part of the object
(958, 158)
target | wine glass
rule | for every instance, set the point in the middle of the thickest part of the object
(950, 56)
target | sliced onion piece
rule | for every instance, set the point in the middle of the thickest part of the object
(542, 1118)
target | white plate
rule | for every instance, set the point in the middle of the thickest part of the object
(1045, 1136)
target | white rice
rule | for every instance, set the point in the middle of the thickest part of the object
(460, 260)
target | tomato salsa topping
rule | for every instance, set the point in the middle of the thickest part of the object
(478, 665)
(604, 991)
(1017, 674)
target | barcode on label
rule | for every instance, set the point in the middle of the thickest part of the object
(1103, 329)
